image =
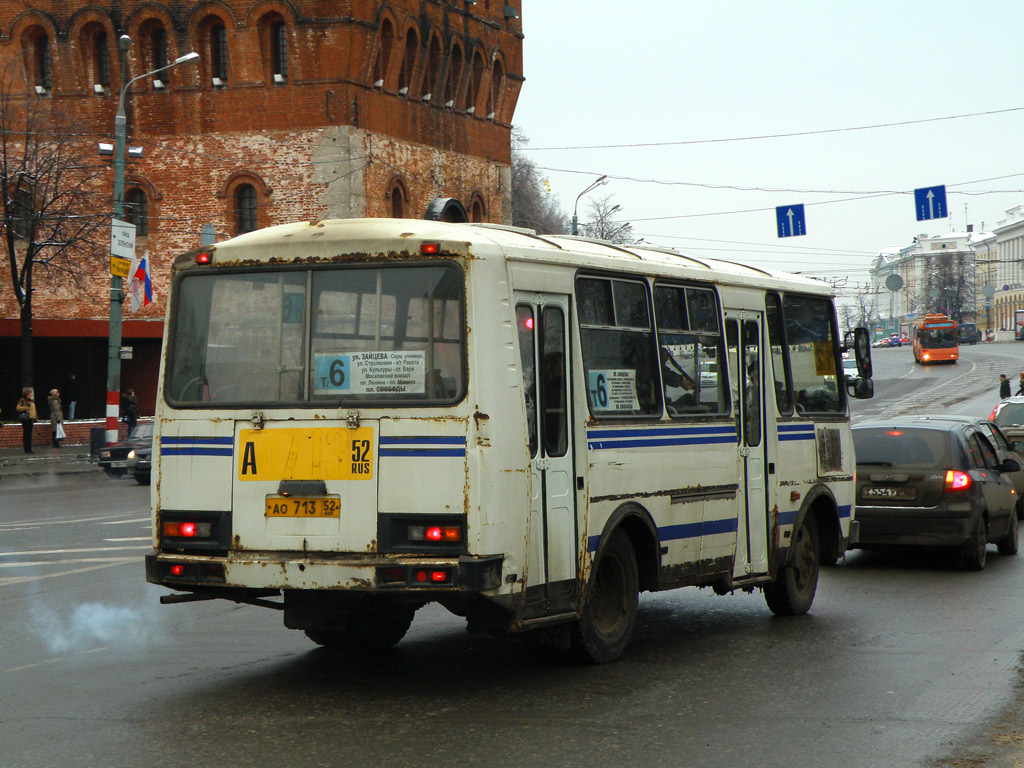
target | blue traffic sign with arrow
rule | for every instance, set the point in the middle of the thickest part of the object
(931, 203)
(790, 220)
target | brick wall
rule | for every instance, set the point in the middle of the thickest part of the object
(325, 142)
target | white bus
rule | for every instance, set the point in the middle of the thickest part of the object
(358, 417)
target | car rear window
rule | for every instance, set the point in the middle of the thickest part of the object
(1011, 413)
(906, 447)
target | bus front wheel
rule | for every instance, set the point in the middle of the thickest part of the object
(793, 591)
(609, 614)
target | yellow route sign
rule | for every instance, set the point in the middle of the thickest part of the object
(305, 454)
(119, 267)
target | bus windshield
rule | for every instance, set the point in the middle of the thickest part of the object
(294, 337)
(939, 338)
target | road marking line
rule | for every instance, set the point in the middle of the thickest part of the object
(132, 538)
(68, 551)
(27, 579)
(35, 563)
(54, 661)
(126, 522)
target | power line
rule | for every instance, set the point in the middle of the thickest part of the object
(761, 137)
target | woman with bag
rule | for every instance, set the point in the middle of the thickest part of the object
(27, 415)
(56, 417)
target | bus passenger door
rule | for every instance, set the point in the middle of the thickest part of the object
(543, 327)
(746, 374)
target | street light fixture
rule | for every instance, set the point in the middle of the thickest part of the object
(595, 185)
(116, 293)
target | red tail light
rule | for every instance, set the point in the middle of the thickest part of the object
(995, 410)
(957, 481)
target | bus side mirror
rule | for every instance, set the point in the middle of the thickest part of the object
(860, 389)
(860, 342)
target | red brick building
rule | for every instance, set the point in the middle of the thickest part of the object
(297, 109)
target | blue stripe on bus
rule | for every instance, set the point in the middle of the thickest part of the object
(409, 453)
(796, 427)
(422, 440)
(682, 531)
(598, 439)
(167, 440)
(196, 451)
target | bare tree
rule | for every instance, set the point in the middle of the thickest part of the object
(50, 216)
(603, 225)
(950, 286)
(533, 205)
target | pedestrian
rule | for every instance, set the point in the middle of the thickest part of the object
(56, 417)
(1004, 386)
(27, 415)
(130, 404)
(1020, 388)
(71, 395)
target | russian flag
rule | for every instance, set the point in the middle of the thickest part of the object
(141, 285)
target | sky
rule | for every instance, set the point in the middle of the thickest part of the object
(690, 106)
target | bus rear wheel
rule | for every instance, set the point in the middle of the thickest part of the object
(367, 629)
(609, 614)
(793, 591)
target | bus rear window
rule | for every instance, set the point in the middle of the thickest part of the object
(350, 334)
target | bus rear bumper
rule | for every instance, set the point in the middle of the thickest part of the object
(364, 573)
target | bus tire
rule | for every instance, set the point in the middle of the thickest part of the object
(612, 604)
(367, 629)
(793, 590)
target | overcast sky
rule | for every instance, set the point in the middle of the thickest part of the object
(684, 77)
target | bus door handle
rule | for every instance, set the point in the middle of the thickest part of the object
(542, 464)
(744, 451)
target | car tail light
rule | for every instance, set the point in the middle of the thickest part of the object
(995, 410)
(187, 530)
(957, 480)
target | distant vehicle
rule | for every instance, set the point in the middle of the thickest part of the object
(708, 373)
(139, 462)
(850, 366)
(968, 333)
(935, 482)
(894, 340)
(1008, 415)
(112, 458)
(935, 340)
(1018, 325)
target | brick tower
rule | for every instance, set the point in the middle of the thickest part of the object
(296, 109)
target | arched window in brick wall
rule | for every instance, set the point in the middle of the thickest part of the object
(96, 45)
(477, 209)
(494, 96)
(385, 40)
(246, 212)
(408, 70)
(154, 50)
(136, 210)
(213, 43)
(399, 199)
(476, 78)
(456, 62)
(273, 33)
(435, 58)
(36, 47)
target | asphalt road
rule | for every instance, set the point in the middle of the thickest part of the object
(904, 660)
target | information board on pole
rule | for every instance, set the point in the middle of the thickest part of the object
(122, 247)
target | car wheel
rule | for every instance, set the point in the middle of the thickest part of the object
(1008, 544)
(142, 479)
(793, 590)
(609, 614)
(975, 552)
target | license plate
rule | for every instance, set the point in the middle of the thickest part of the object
(303, 506)
(118, 464)
(882, 492)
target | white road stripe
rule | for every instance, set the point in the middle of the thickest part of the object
(27, 579)
(68, 551)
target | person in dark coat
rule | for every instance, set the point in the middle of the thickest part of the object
(1004, 386)
(27, 415)
(1020, 388)
(71, 396)
(130, 404)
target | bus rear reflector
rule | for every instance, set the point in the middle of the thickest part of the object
(203, 258)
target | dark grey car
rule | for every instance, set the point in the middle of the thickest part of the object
(934, 482)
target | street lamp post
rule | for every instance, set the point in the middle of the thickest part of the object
(116, 293)
(595, 185)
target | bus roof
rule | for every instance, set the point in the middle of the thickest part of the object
(312, 241)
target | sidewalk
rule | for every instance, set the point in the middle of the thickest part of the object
(45, 460)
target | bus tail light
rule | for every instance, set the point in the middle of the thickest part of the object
(187, 530)
(439, 534)
(957, 480)
(430, 249)
(203, 258)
